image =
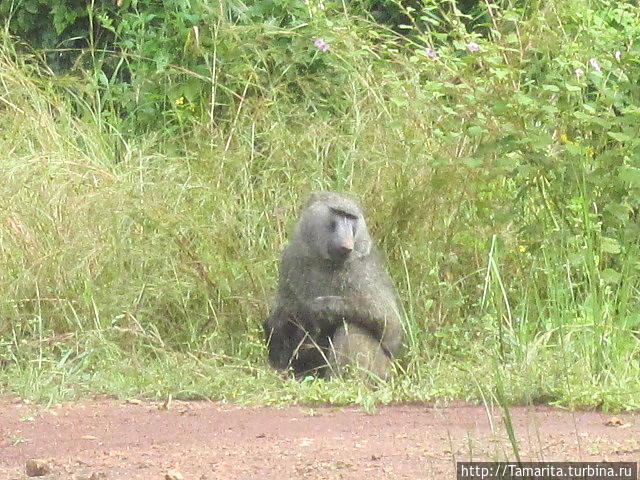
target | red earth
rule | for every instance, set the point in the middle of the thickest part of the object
(112, 440)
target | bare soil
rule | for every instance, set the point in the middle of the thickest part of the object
(110, 439)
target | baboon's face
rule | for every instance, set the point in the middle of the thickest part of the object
(334, 232)
(341, 230)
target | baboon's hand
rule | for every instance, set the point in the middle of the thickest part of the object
(329, 305)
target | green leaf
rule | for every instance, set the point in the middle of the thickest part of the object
(500, 73)
(511, 38)
(540, 141)
(475, 130)
(633, 320)
(621, 137)
(609, 275)
(630, 175)
(610, 245)
(471, 162)
(574, 149)
(31, 6)
(523, 99)
(508, 161)
(618, 210)
(192, 89)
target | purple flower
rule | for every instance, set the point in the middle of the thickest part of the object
(617, 54)
(594, 63)
(431, 53)
(321, 44)
(473, 46)
(579, 72)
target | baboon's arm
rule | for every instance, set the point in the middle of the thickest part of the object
(380, 319)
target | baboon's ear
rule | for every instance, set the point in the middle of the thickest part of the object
(362, 247)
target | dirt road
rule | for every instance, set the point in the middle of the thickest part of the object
(113, 440)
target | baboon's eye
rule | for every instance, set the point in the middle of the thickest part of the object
(332, 225)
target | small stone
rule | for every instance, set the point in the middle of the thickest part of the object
(613, 422)
(173, 475)
(37, 468)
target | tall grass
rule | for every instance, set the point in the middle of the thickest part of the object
(143, 264)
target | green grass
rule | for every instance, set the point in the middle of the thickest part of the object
(142, 264)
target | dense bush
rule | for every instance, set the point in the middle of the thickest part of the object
(141, 56)
(496, 149)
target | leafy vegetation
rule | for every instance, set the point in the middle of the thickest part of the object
(155, 154)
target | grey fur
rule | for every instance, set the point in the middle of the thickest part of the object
(335, 305)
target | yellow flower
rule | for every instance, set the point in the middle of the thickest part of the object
(179, 101)
(564, 138)
(522, 248)
(590, 151)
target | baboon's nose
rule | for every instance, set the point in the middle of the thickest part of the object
(347, 243)
(345, 250)
(341, 252)
(346, 247)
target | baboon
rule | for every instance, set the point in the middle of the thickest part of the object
(335, 304)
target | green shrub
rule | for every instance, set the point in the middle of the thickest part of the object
(499, 169)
